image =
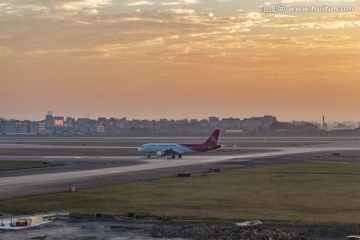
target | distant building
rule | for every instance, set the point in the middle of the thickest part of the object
(118, 126)
(8, 127)
(18, 127)
(102, 121)
(257, 123)
(204, 123)
(49, 121)
(233, 123)
(70, 122)
(183, 121)
(59, 121)
(268, 120)
(112, 122)
(32, 127)
(123, 123)
(252, 124)
(2, 126)
(101, 129)
(41, 127)
(324, 124)
(214, 122)
(58, 125)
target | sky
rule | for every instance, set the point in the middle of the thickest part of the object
(175, 59)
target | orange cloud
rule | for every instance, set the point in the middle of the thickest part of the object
(70, 55)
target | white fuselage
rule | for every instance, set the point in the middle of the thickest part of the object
(162, 147)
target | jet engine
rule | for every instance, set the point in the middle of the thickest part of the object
(160, 153)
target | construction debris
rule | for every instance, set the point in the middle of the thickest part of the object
(224, 233)
(249, 223)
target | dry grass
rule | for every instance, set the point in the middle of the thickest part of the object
(286, 193)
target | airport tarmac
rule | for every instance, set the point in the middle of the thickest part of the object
(90, 171)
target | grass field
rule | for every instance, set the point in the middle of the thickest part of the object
(13, 165)
(307, 194)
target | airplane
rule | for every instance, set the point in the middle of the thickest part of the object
(173, 149)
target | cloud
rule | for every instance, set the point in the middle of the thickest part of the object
(167, 35)
(127, 31)
(170, 3)
(75, 44)
(53, 8)
(163, 3)
(85, 6)
(225, 1)
(321, 22)
(252, 19)
(181, 11)
(5, 52)
(140, 3)
(189, 1)
(312, 1)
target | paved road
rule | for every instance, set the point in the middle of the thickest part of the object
(27, 184)
(43, 146)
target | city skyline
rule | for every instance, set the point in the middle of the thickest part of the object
(265, 125)
(321, 120)
(40, 115)
(178, 59)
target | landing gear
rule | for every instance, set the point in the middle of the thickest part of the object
(173, 156)
(180, 156)
(149, 155)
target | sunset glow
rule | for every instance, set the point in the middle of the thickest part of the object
(178, 59)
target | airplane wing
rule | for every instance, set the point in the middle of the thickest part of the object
(171, 151)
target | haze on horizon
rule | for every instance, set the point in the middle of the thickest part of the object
(178, 59)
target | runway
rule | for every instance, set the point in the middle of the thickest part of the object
(43, 146)
(39, 181)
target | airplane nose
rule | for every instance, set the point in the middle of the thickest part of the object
(139, 149)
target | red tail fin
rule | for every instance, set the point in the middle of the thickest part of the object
(212, 140)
